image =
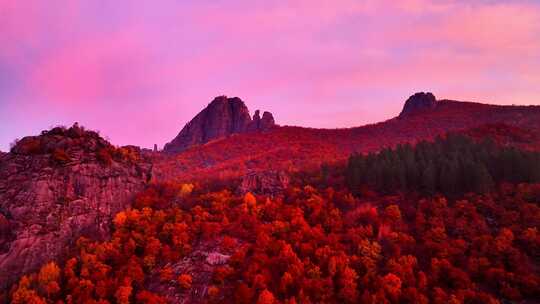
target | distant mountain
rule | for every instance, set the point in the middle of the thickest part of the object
(222, 117)
(287, 147)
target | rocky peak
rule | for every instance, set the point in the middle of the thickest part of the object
(261, 124)
(222, 117)
(419, 102)
(267, 121)
(60, 138)
(255, 123)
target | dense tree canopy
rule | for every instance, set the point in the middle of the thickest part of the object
(312, 245)
(317, 242)
(451, 165)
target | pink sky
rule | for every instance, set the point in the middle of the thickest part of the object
(139, 70)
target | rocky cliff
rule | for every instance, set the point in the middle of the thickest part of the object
(222, 117)
(419, 102)
(56, 187)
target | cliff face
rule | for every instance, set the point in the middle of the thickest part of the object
(57, 187)
(222, 117)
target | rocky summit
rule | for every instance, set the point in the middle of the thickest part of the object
(222, 117)
(419, 102)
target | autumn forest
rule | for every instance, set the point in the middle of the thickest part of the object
(450, 221)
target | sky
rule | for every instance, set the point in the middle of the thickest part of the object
(137, 71)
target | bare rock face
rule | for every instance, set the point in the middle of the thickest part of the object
(56, 187)
(267, 121)
(419, 102)
(255, 123)
(200, 264)
(267, 182)
(222, 117)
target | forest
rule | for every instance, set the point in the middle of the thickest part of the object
(453, 221)
(451, 165)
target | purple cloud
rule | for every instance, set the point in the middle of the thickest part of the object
(138, 70)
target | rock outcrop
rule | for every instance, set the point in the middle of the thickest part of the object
(266, 182)
(222, 117)
(201, 264)
(261, 124)
(56, 187)
(419, 102)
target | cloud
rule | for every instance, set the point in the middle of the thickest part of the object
(107, 68)
(159, 63)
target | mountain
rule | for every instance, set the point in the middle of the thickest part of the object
(58, 186)
(69, 182)
(324, 239)
(221, 118)
(296, 148)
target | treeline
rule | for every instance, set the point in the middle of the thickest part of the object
(451, 165)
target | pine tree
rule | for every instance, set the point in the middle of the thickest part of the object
(482, 181)
(448, 178)
(429, 181)
(453, 165)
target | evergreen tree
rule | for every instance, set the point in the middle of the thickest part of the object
(429, 180)
(448, 178)
(482, 181)
(452, 165)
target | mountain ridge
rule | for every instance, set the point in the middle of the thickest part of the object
(301, 146)
(201, 129)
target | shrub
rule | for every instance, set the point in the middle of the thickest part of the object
(28, 145)
(185, 190)
(125, 154)
(104, 156)
(184, 280)
(60, 156)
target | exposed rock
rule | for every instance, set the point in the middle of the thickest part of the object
(267, 182)
(50, 198)
(6, 233)
(267, 121)
(255, 123)
(216, 258)
(419, 102)
(200, 264)
(259, 124)
(222, 117)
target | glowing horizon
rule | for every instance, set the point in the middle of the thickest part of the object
(138, 71)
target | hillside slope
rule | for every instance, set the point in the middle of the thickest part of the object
(299, 148)
(70, 182)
